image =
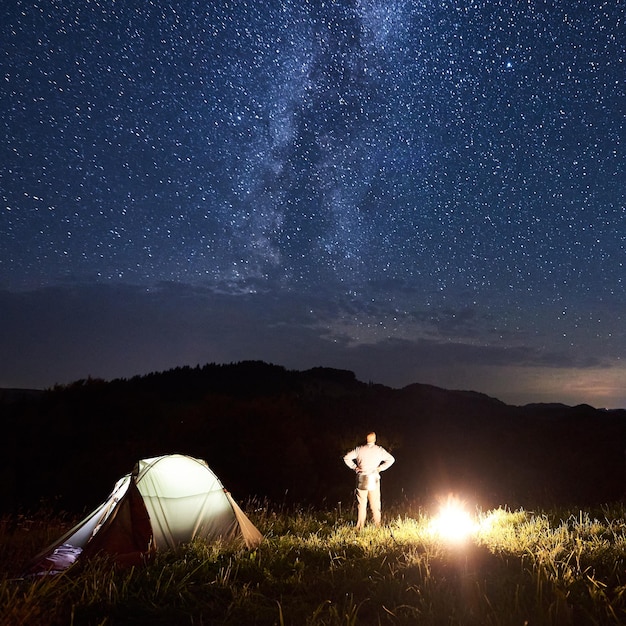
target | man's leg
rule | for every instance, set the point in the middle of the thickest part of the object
(374, 499)
(361, 498)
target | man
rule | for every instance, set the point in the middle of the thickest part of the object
(368, 461)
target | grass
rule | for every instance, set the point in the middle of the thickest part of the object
(514, 568)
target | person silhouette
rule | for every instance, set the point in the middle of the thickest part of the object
(368, 461)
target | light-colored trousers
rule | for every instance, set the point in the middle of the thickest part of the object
(363, 496)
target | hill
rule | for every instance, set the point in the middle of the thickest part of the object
(278, 434)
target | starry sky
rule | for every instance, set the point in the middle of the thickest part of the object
(416, 191)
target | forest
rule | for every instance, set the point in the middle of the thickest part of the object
(279, 435)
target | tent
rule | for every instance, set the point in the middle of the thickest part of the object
(164, 502)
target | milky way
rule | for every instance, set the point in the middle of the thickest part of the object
(418, 180)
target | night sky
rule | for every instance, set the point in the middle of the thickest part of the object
(416, 191)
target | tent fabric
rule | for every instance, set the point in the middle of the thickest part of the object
(126, 532)
(166, 501)
(179, 508)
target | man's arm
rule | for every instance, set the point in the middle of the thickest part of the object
(387, 462)
(350, 459)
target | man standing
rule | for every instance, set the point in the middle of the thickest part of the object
(368, 461)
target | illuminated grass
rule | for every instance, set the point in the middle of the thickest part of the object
(515, 567)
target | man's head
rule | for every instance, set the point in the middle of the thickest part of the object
(371, 437)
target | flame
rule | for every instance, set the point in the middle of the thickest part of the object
(453, 523)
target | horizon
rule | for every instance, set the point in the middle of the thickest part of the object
(302, 370)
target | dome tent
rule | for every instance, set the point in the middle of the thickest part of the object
(164, 502)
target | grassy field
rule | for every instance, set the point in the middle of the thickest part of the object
(314, 568)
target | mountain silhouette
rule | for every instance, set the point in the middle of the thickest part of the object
(278, 434)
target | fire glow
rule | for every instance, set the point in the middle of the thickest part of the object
(453, 523)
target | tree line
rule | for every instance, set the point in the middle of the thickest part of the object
(280, 435)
